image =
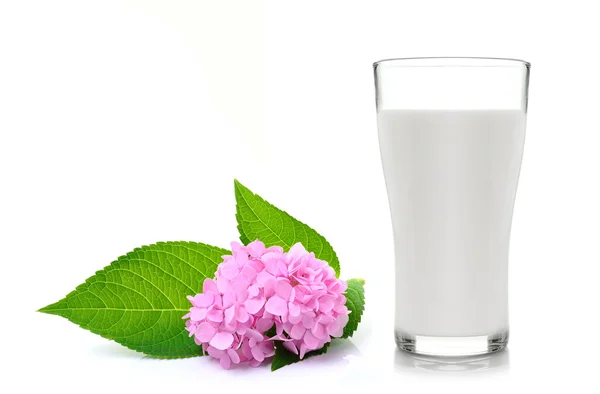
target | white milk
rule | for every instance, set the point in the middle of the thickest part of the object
(451, 178)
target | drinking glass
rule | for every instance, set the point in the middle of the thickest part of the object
(451, 135)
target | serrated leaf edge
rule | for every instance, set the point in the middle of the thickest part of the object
(354, 309)
(47, 309)
(245, 240)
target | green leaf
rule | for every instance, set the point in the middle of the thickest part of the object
(139, 299)
(355, 302)
(258, 219)
(283, 357)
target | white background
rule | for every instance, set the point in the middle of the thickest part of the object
(123, 123)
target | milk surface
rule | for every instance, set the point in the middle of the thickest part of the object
(451, 178)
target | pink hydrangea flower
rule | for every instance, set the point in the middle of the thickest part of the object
(257, 288)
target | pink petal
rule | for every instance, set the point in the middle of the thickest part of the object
(229, 314)
(310, 272)
(222, 340)
(294, 309)
(326, 307)
(312, 304)
(343, 284)
(191, 329)
(310, 340)
(325, 319)
(215, 315)
(318, 289)
(295, 252)
(319, 331)
(228, 299)
(287, 326)
(297, 331)
(231, 327)
(269, 287)
(303, 281)
(255, 363)
(225, 361)
(334, 287)
(253, 290)
(241, 315)
(263, 325)
(214, 352)
(291, 347)
(235, 358)
(294, 267)
(276, 305)
(246, 350)
(263, 277)
(237, 248)
(270, 261)
(253, 305)
(250, 333)
(267, 315)
(249, 273)
(301, 291)
(203, 300)
(336, 328)
(218, 301)
(224, 285)
(283, 289)
(325, 303)
(294, 319)
(308, 320)
(257, 354)
(276, 249)
(228, 270)
(256, 248)
(257, 265)
(303, 350)
(283, 268)
(241, 291)
(209, 286)
(330, 272)
(191, 299)
(205, 332)
(198, 314)
(267, 348)
(341, 309)
(281, 338)
(343, 320)
(240, 254)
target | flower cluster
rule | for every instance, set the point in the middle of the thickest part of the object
(258, 288)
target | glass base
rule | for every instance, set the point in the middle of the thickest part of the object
(451, 346)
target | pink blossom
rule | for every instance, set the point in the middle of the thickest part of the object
(257, 288)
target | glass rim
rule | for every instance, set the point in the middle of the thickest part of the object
(452, 61)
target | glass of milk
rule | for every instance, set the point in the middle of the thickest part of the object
(451, 134)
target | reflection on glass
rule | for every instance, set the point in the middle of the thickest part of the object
(470, 364)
